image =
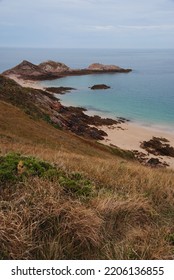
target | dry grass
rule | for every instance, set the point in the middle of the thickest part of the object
(130, 215)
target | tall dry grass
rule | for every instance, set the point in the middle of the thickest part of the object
(41, 221)
(130, 214)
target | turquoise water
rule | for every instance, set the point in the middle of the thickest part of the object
(145, 95)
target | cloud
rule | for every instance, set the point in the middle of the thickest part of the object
(148, 27)
(75, 21)
(100, 27)
(127, 27)
(104, 27)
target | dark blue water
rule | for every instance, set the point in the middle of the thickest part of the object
(145, 95)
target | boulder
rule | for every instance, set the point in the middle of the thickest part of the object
(154, 161)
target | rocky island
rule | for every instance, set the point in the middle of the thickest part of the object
(100, 86)
(53, 70)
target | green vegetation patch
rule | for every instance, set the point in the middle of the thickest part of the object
(76, 184)
(15, 168)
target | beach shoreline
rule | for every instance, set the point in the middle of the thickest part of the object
(26, 83)
(127, 135)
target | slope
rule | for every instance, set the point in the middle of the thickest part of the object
(66, 197)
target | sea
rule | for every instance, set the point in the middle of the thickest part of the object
(144, 96)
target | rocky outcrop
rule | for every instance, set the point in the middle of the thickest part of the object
(59, 90)
(24, 67)
(53, 67)
(158, 146)
(144, 159)
(100, 86)
(28, 70)
(52, 70)
(106, 68)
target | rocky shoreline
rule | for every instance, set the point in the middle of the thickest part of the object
(71, 118)
(42, 104)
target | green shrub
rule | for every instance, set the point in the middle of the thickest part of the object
(8, 167)
(75, 184)
(15, 168)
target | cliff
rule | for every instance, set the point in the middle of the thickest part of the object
(43, 105)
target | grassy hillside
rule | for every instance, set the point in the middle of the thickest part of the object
(65, 197)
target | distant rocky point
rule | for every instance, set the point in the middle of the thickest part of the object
(52, 70)
(102, 67)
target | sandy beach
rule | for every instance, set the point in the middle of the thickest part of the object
(129, 136)
(26, 83)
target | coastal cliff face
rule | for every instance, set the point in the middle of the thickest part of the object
(52, 70)
(43, 105)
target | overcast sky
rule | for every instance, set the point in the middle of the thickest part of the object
(87, 23)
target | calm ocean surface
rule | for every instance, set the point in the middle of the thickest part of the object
(145, 95)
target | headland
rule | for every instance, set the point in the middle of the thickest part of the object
(50, 70)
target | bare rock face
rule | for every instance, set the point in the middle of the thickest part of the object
(28, 70)
(43, 71)
(24, 67)
(53, 67)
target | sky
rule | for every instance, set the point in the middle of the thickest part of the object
(87, 23)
